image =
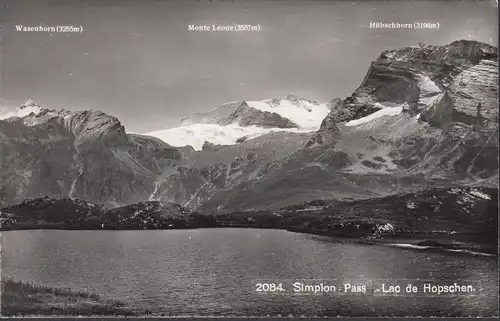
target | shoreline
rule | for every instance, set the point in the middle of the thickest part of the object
(426, 241)
(430, 243)
(21, 299)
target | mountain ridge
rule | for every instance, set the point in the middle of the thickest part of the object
(233, 122)
(78, 154)
(423, 116)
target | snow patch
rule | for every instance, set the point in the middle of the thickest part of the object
(390, 54)
(411, 205)
(430, 93)
(306, 114)
(472, 192)
(195, 135)
(455, 191)
(395, 55)
(470, 252)
(430, 100)
(385, 111)
(427, 86)
(311, 208)
(411, 246)
(480, 194)
(386, 228)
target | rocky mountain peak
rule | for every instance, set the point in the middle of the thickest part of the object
(468, 46)
(78, 154)
(89, 127)
(458, 54)
(95, 126)
(447, 82)
(292, 98)
(29, 107)
(29, 103)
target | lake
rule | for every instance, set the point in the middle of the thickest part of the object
(213, 272)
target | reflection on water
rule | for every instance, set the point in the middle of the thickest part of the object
(211, 271)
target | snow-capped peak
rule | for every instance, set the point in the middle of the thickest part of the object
(29, 107)
(293, 97)
(306, 114)
(24, 110)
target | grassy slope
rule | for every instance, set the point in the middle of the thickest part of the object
(24, 299)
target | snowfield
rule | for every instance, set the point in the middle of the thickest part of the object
(305, 114)
(385, 111)
(196, 134)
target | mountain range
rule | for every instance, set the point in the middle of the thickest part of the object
(237, 121)
(423, 117)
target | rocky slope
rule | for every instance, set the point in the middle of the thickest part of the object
(65, 213)
(448, 211)
(242, 114)
(217, 169)
(83, 154)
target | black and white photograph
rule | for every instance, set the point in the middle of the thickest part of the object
(249, 158)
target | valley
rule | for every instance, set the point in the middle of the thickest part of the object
(422, 124)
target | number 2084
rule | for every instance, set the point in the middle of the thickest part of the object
(269, 287)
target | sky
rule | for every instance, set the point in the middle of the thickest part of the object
(138, 61)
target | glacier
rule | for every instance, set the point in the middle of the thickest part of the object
(308, 115)
(195, 135)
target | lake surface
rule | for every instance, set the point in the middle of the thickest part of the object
(213, 272)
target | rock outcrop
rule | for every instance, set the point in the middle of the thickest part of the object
(242, 114)
(245, 115)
